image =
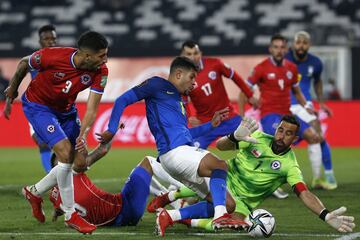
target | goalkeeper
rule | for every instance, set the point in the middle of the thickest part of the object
(263, 164)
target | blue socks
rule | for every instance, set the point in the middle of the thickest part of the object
(218, 187)
(45, 155)
(326, 155)
(201, 209)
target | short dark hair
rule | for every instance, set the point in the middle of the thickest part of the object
(189, 44)
(293, 120)
(278, 36)
(183, 62)
(46, 28)
(92, 40)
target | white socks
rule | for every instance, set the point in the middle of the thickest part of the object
(219, 211)
(314, 151)
(66, 188)
(174, 214)
(47, 182)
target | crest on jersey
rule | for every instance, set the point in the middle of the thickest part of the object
(103, 81)
(271, 76)
(256, 152)
(212, 75)
(289, 75)
(275, 165)
(310, 71)
(50, 128)
(85, 79)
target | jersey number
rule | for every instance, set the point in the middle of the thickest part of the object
(67, 87)
(281, 84)
(207, 89)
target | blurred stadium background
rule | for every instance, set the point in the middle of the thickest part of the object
(145, 35)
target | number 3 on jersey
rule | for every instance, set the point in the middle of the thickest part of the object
(67, 87)
(207, 89)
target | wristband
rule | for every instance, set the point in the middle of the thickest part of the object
(323, 214)
(232, 138)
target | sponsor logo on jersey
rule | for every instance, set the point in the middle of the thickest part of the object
(275, 165)
(103, 81)
(256, 152)
(271, 76)
(85, 79)
(212, 75)
(50, 128)
(289, 74)
(59, 75)
(310, 71)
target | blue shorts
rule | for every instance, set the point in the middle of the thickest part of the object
(223, 129)
(271, 121)
(134, 195)
(51, 126)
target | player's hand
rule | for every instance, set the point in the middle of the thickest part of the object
(254, 102)
(219, 116)
(326, 109)
(245, 129)
(11, 94)
(339, 222)
(194, 121)
(104, 137)
(7, 109)
(80, 145)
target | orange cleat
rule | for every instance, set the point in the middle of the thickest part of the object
(163, 220)
(80, 224)
(158, 202)
(228, 221)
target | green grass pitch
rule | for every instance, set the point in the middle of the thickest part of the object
(21, 166)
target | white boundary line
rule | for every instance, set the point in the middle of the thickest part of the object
(299, 235)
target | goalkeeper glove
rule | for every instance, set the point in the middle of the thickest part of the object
(245, 129)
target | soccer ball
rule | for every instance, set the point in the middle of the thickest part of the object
(261, 223)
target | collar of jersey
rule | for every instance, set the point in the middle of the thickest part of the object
(274, 63)
(72, 59)
(282, 153)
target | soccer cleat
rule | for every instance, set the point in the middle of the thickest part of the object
(79, 224)
(163, 220)
(318, 183)
(330, 181)
(280, 194)
(158, 202)
(36, 204)
(228, 221)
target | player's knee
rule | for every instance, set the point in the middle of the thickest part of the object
(145, 163)
(63, 151)
(222, 165)
(311, 136)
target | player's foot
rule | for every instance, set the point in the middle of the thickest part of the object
(158, 202)
(79, 224)
(36, 204)
(186, 222)
(330, 180)
(163, 221)
(54, 197)
(280, 194)
(229, 221)
(318, 183)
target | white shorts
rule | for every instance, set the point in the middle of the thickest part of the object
(182, 163)
(300, 112)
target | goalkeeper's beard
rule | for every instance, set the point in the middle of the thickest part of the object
(278, 146)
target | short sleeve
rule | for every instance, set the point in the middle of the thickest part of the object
(294, 175)
(318, 71)
(40, 59)
(100, 81)
(225, 69)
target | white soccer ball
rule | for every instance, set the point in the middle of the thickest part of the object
(261, 223)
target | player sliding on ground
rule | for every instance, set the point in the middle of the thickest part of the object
(263, 163)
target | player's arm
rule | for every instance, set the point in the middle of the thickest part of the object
(318, 88)
(11, 91)
(335, 218)
(88, 120)
(300, 98)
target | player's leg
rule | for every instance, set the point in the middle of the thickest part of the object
(326, 156)
(134, 194)
(160, 172)
(45, 151)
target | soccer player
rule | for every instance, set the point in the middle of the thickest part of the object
(260, 168)
(168, 123)
(48, 104)
(310, 68)
(276, 77)
(209, 94)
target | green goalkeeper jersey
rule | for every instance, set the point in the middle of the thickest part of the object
(256, 172)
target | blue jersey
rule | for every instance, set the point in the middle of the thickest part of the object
(165, 113)
(308, 70)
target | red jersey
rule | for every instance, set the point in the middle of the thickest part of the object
(93, 204)
(209, 94)
(58, 81)
(275, 83)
